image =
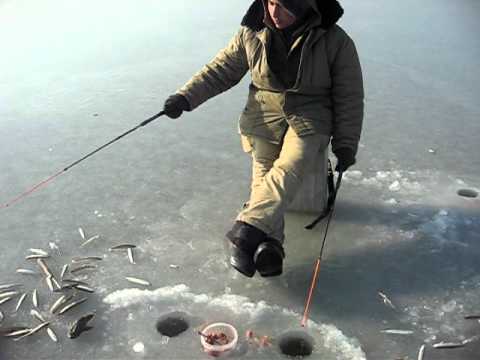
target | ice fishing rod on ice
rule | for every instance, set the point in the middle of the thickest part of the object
(49, 179)
(316, 270)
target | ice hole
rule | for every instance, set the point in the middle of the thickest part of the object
(467, 193)
(172, 324)
(296, 343)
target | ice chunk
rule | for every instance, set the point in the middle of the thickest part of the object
(354, 174)
(449, 306)
(395, 186)
(391, 201)
(382, 175)
(139, 347)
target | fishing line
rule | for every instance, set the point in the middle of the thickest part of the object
(51, 178)
(316, 270)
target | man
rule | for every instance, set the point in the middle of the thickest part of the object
(306, 88)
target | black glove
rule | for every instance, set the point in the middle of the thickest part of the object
(345, 159)
(175, 105)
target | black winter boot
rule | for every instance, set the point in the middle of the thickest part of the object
(269, 257)
(244, 239)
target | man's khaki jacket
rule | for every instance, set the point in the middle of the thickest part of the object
(328, 94)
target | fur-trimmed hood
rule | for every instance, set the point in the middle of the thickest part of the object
(329, 11)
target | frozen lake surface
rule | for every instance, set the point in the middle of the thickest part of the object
(77, 74)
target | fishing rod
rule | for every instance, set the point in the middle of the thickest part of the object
(319, 259)
(49, 179)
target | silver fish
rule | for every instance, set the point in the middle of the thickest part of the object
(1, 316)
(448, 345)
(32, 331)
(75, 282)
(64, 287)
(18, 331)
(49, 282)
(52, 335)
(386, 300)
(71, 305)
(39, 252)
(36, 256)
(137, 281)
(86, 258)
(83, 288)
(421, 352)
(9, 294)
(26, 272)
(55, 282)
(130, 255)
(37, 315)
(64, 271)
(60, 301)
(82, 234)
(39, 327)
(44, 267)
(3, 301)
(82, 267)
(173, 266)
(397, 332)
(9, 286)
(90, 240)
(123, 247)
(35, 298)
(20, 301)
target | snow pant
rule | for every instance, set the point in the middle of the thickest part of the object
(277, 173)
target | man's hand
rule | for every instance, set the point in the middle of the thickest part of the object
(345, 159)
(175, 105)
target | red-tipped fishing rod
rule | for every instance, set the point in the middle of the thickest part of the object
(316, 270)
(49, 179)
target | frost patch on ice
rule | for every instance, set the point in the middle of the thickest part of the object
(438, 318)
(442, 227)
(395, 180)
(127, 297)
(391, 201)
(354, 174)
(332, 343)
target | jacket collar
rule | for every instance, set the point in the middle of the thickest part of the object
(328, 13)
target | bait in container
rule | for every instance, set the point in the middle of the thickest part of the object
(218, 330)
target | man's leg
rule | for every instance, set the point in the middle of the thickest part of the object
(278, 171)
(275, 190)
(245, 237)
(272, 192)
(264, 154)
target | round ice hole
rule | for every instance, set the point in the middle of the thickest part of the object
(172, 324)
(296, 343)
(467, 193)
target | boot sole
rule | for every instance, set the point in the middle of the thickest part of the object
(241, 261)
(268, 260)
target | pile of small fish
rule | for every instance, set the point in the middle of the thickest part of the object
(440, 345)
(71, 291)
